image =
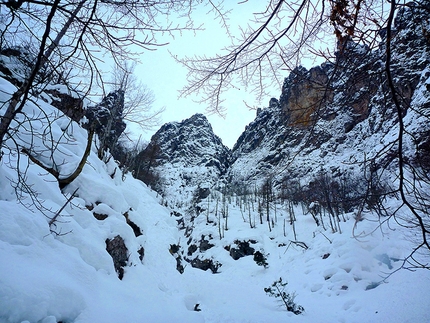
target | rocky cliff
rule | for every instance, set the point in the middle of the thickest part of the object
(187, 157)
(335, 117)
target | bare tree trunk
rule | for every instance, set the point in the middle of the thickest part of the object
(62, 32)
(65, 181)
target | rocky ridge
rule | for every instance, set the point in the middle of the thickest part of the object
(330, 119)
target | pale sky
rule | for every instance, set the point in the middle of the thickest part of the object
(165, 77)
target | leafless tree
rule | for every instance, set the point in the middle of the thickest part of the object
(277, 39)
(139, 99)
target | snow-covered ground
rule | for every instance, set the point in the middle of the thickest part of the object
(63, 272)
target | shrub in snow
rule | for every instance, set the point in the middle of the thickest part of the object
(277, 290)
(261, 259)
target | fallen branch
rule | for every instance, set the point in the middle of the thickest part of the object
(51, 222)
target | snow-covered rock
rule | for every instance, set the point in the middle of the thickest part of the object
(188, 157)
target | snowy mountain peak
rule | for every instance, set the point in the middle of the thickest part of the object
(198, 120)
(187, 155)
(191, 142)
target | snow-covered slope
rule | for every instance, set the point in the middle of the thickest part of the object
(62, 271)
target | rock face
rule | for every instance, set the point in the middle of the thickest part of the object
(16, 63)
(332, 117)
(107, 120)
(71, 106)
(192, 142)
(304, 94)
(187, 156)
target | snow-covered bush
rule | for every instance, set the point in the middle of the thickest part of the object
(261, 259)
